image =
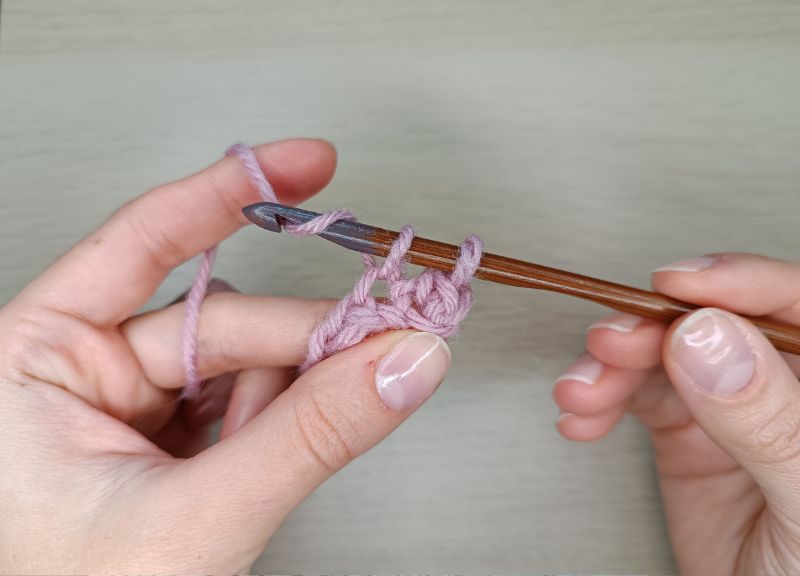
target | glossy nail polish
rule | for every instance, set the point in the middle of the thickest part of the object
(713, 352)
(412, 370)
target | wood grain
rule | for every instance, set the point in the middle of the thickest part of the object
(607, 137)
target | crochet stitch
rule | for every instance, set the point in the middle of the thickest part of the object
(433, 301)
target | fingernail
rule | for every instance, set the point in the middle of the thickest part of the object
(584, 369)
(619, 322)
(692, 265)
(412, 370)
(713, 352)
(564, 416)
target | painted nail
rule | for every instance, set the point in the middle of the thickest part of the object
(620, 322)
(585, 369)
(713, 352)
(692, 265)
(412, 370)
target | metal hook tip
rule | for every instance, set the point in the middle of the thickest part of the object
(263, 216)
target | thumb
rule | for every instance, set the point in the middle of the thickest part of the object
(743, 395)
(333, 413)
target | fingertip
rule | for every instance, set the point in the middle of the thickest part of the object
(586, 369)
(716, 353)
(626, 341)
(393, 372)
(743, 283)
(588, 428)
(685, 278)
(612, 387)
(412, 370)
(574, 390)
(562, 425)
(254, 390)
(619, 322)
(690, 265)
(577, 397)
(297, 168)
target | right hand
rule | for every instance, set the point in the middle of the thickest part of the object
(721, 404)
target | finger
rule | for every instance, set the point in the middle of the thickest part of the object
(589, 387)
(236, 396)
(589, 428)
(213, 399)
(255, 389)
(334, 412)
(235, 332)
(626, 341)
(793, 361)
(742, 283)
(210, 405)
(744, 396)
(214, 285)
(181, 438)
(658, 406)
(114, 271)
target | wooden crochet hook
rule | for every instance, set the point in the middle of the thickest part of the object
(432, 254)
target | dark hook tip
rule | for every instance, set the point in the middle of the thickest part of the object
(263, 217)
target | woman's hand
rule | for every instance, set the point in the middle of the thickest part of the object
(104, 469)
(721, 404)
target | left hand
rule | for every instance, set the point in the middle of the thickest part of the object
(104, 469)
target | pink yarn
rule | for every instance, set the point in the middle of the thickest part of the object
(434, 301)
(191, 320)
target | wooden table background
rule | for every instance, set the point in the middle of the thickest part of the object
(607, 137)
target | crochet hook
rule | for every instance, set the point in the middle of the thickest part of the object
(433, 254)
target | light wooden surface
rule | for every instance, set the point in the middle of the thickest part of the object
(605, 137)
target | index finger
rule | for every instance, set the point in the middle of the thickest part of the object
(739, 282)
(117, 268)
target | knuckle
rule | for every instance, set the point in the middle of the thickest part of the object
(222, 192)
(776, 440)
(322, 434)
(27, 348)
(220, 336)
(22, 335)
(42, 345)
(159, 245)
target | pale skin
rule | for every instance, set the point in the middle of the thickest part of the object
(727, 464)
(102, 461)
